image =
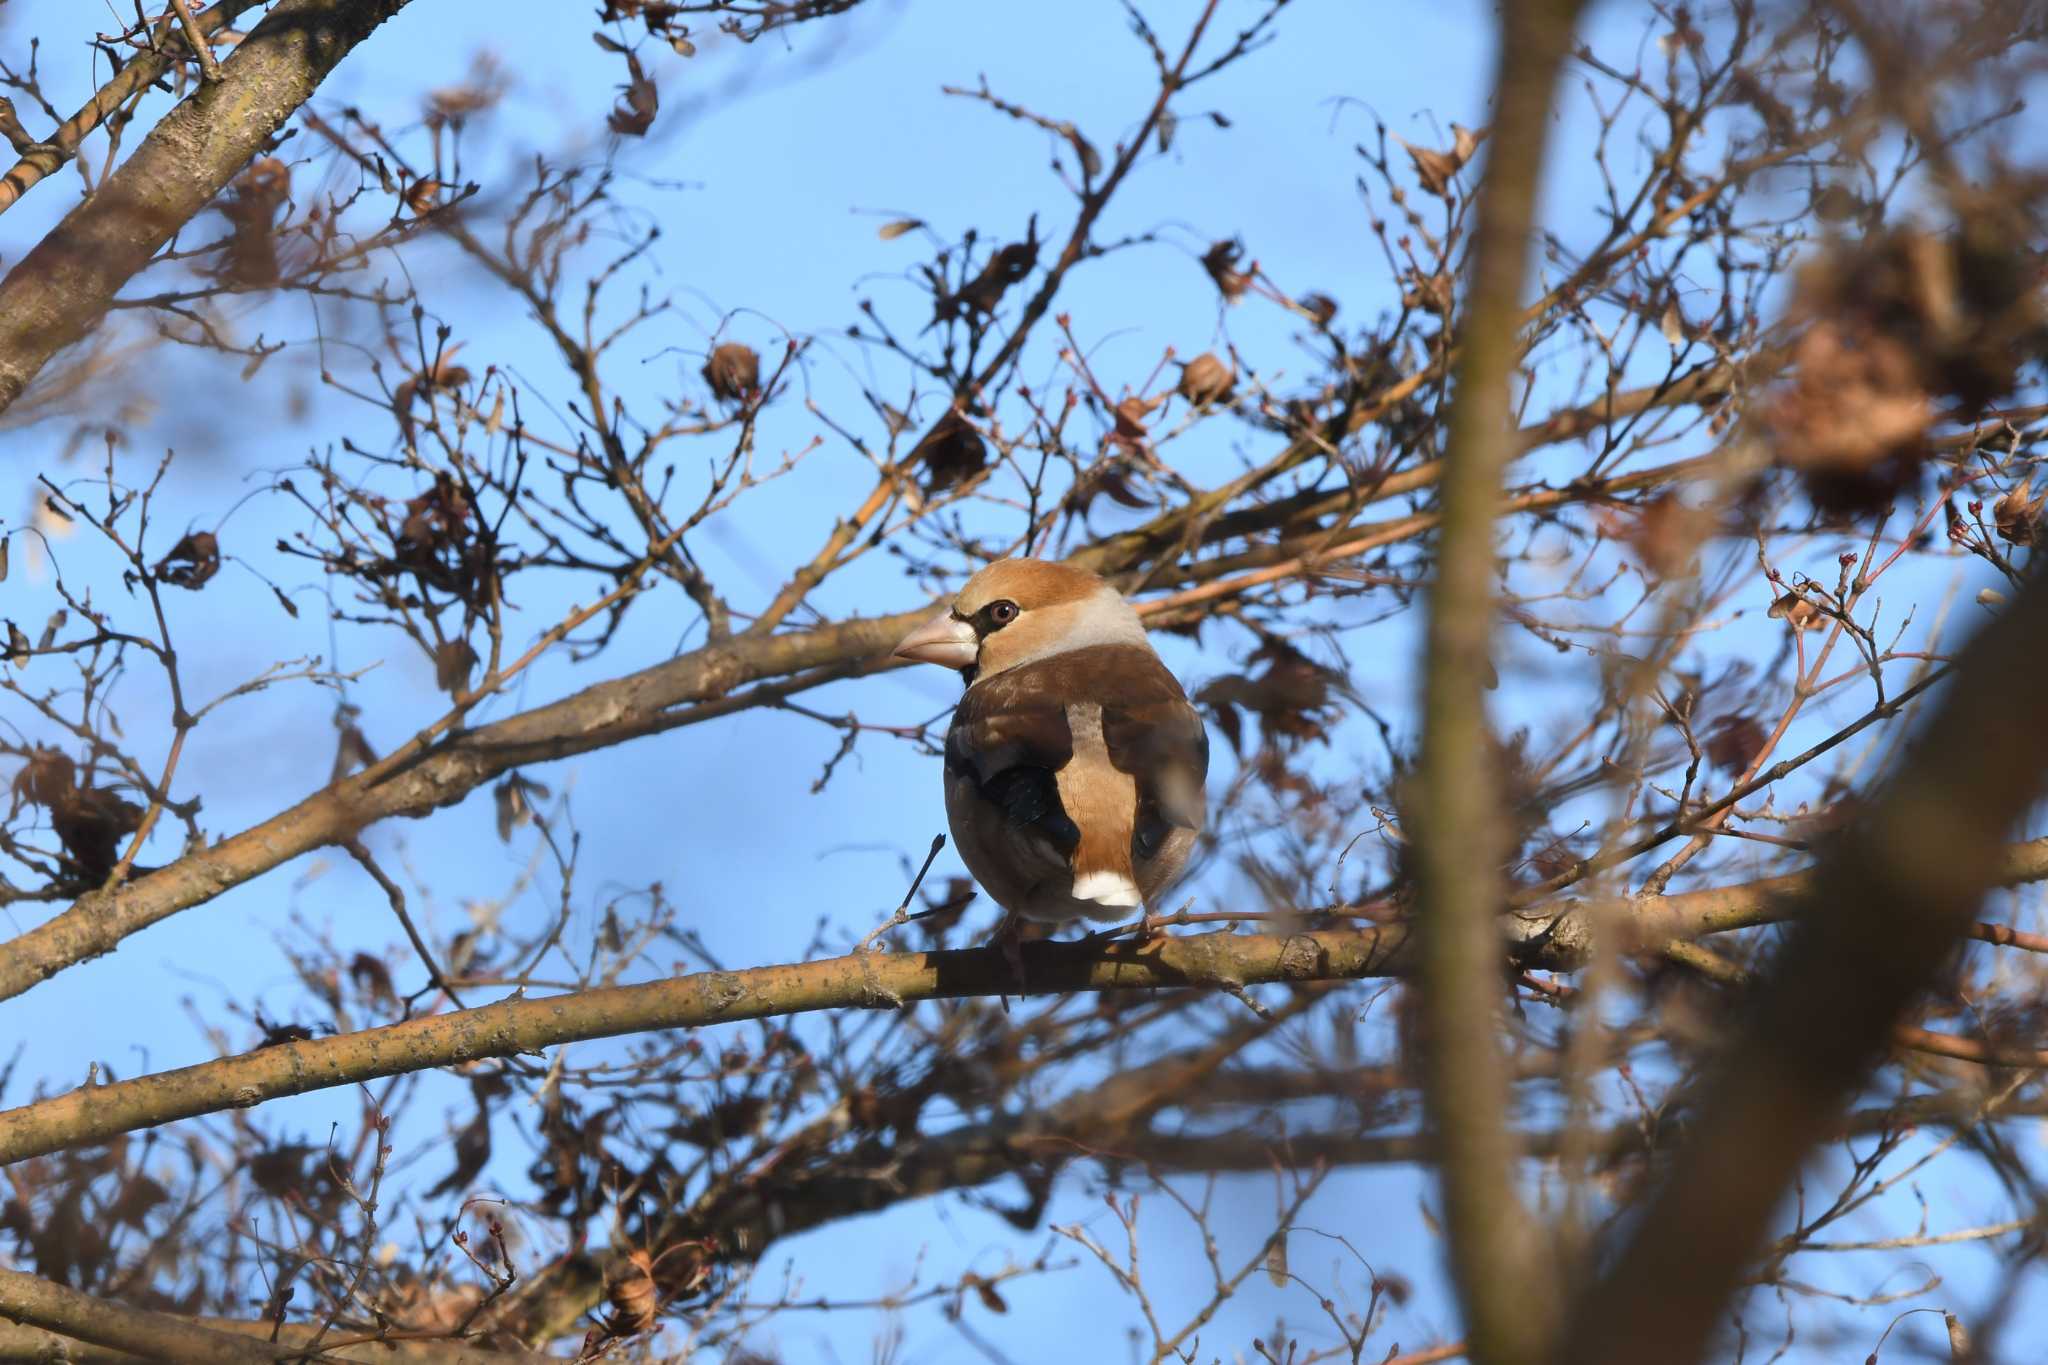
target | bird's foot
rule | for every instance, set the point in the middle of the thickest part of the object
(1010, 938)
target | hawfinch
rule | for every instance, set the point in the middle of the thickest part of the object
(1074, 764)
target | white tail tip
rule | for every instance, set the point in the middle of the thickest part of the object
(1106, 888)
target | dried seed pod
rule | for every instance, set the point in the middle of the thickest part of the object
(1207, 378)
(733, 372)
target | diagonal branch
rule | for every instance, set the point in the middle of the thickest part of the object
(152, 1336)
(61, 1324)
(1887, 907)
(142, 70)
(61, 289)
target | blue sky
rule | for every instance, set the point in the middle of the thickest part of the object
(769, 170)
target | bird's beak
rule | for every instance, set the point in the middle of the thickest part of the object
(941, 640)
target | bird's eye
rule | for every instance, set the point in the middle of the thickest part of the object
(1002, 613)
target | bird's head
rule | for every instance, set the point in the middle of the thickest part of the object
(1017, 611)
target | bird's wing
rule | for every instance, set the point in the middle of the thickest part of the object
(1153, 734)
(1012, 740)
(1112, 712)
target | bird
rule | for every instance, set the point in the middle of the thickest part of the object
(1074, 764)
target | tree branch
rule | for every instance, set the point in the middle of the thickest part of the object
(1559, 942)
(1504, 1270)
(1887, 906)
(137, 1331)
(515, 1026)
(147, 1335)
(142, 70)
(60, 290)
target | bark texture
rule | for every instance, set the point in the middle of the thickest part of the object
(61, 289)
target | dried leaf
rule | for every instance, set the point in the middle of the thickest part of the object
(138, 1196)
(1091, 160)
(950, 453)
(444, 373)
(1293, 697)
(1429, 293)
(424, 195)
(986, 1292)
(1276, 1258)
(1131, 413)
(889, 232)
(1220, 260)
(1854, 401)
(351, 750)
(2017, 518)
(1795, 611)
(251, 206)
(4, 543)
(1665, 532)
(192, 561)
(1958, 1337)
(92, 823)
(634, 112)
(1672, 325)
(472, 1153)
(372, 978)
(1112, 477)
(1435, 170)
(454, 662)
(1734, 743)
(985, 291)
(514, 810)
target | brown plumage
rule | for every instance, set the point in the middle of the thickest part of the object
(1074, 764)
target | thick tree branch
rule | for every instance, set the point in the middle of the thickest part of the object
(1887, 907)
(871, 980)
(1558, 941)
(1505, 1272)
(60, 290)
(142, 70)
(152, 1336)
(132, 1334)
